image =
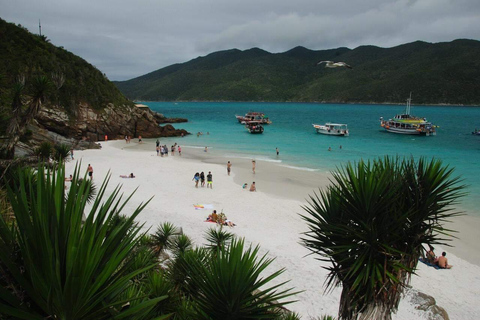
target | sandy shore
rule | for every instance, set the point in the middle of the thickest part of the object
(269, 217)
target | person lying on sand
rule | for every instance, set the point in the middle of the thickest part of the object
(69, 178)
(129, 176)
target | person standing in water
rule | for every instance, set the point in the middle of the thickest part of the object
(229, 167)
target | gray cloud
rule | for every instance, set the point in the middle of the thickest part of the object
(126, 39)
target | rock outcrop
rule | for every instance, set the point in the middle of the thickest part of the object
(115, 122)
(427, 304)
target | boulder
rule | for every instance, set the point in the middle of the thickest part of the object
(427, 303)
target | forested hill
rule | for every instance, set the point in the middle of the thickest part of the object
(440, 73)
(26, 54)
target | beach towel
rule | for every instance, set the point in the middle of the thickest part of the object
(429, 264)
(202, 206)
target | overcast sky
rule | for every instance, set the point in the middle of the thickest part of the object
(126, 39)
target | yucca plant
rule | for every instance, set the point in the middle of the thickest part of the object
(43, 151)
(218, 239)
(61, 152)
(180, 276)
(60, 266)
(162, 238)
(157, 284)
(370, 225)
(181, 244)
(231, 285)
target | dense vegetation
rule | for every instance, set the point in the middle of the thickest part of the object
(28, 55)
(62, 259)
(436, 73)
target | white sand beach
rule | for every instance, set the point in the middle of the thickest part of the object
(270, 218)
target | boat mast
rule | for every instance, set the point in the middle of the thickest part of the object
(407, 110)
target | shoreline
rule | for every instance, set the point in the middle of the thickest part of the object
(263, 217)
(320, 102)
(298, 184)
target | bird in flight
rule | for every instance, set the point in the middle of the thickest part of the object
(331, 64)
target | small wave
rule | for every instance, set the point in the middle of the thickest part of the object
(196, 147)
(256, 158)
(299, 168)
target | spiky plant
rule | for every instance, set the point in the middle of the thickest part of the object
(44, 151)
(61, 152)
(181, 244)
(230, 286)
(162, 238)
(218, 239)
(59, 266)
(370, 225)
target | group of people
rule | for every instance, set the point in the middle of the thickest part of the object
(440, 261)
(200, 177)
(163, 150)
(252, 186)
(220, 218)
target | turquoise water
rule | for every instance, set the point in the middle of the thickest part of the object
(301, 147)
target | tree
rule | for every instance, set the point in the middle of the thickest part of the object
(54, 265)
(41, 86)
(371, 224)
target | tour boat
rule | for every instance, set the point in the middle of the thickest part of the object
(408, 124)
(333, 129)
(253, 116)
(254, 127)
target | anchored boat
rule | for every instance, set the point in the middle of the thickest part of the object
(254, 127)
(408, 124)
(333, 129)
(253, 117)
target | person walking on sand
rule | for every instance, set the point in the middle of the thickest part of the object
(71, 153)
(253, 187)
(229, 167)
(90, 171)
(202, 179)
(196, 177)
(253, 166)
(209, 180)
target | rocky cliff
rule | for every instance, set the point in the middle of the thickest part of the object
(112, 121)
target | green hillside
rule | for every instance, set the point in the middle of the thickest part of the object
(441, 73)
(26, 54)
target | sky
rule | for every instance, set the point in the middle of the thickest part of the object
(129, 38)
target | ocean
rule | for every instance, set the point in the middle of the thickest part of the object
(303, 149)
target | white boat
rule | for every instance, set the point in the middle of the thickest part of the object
(333, 129)
(408, 124)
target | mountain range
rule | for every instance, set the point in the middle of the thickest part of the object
(435, 73)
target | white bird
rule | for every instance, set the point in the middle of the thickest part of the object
(331, 64)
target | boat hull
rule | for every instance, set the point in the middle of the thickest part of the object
(339, 130)
(409, 128)
(331, 133)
